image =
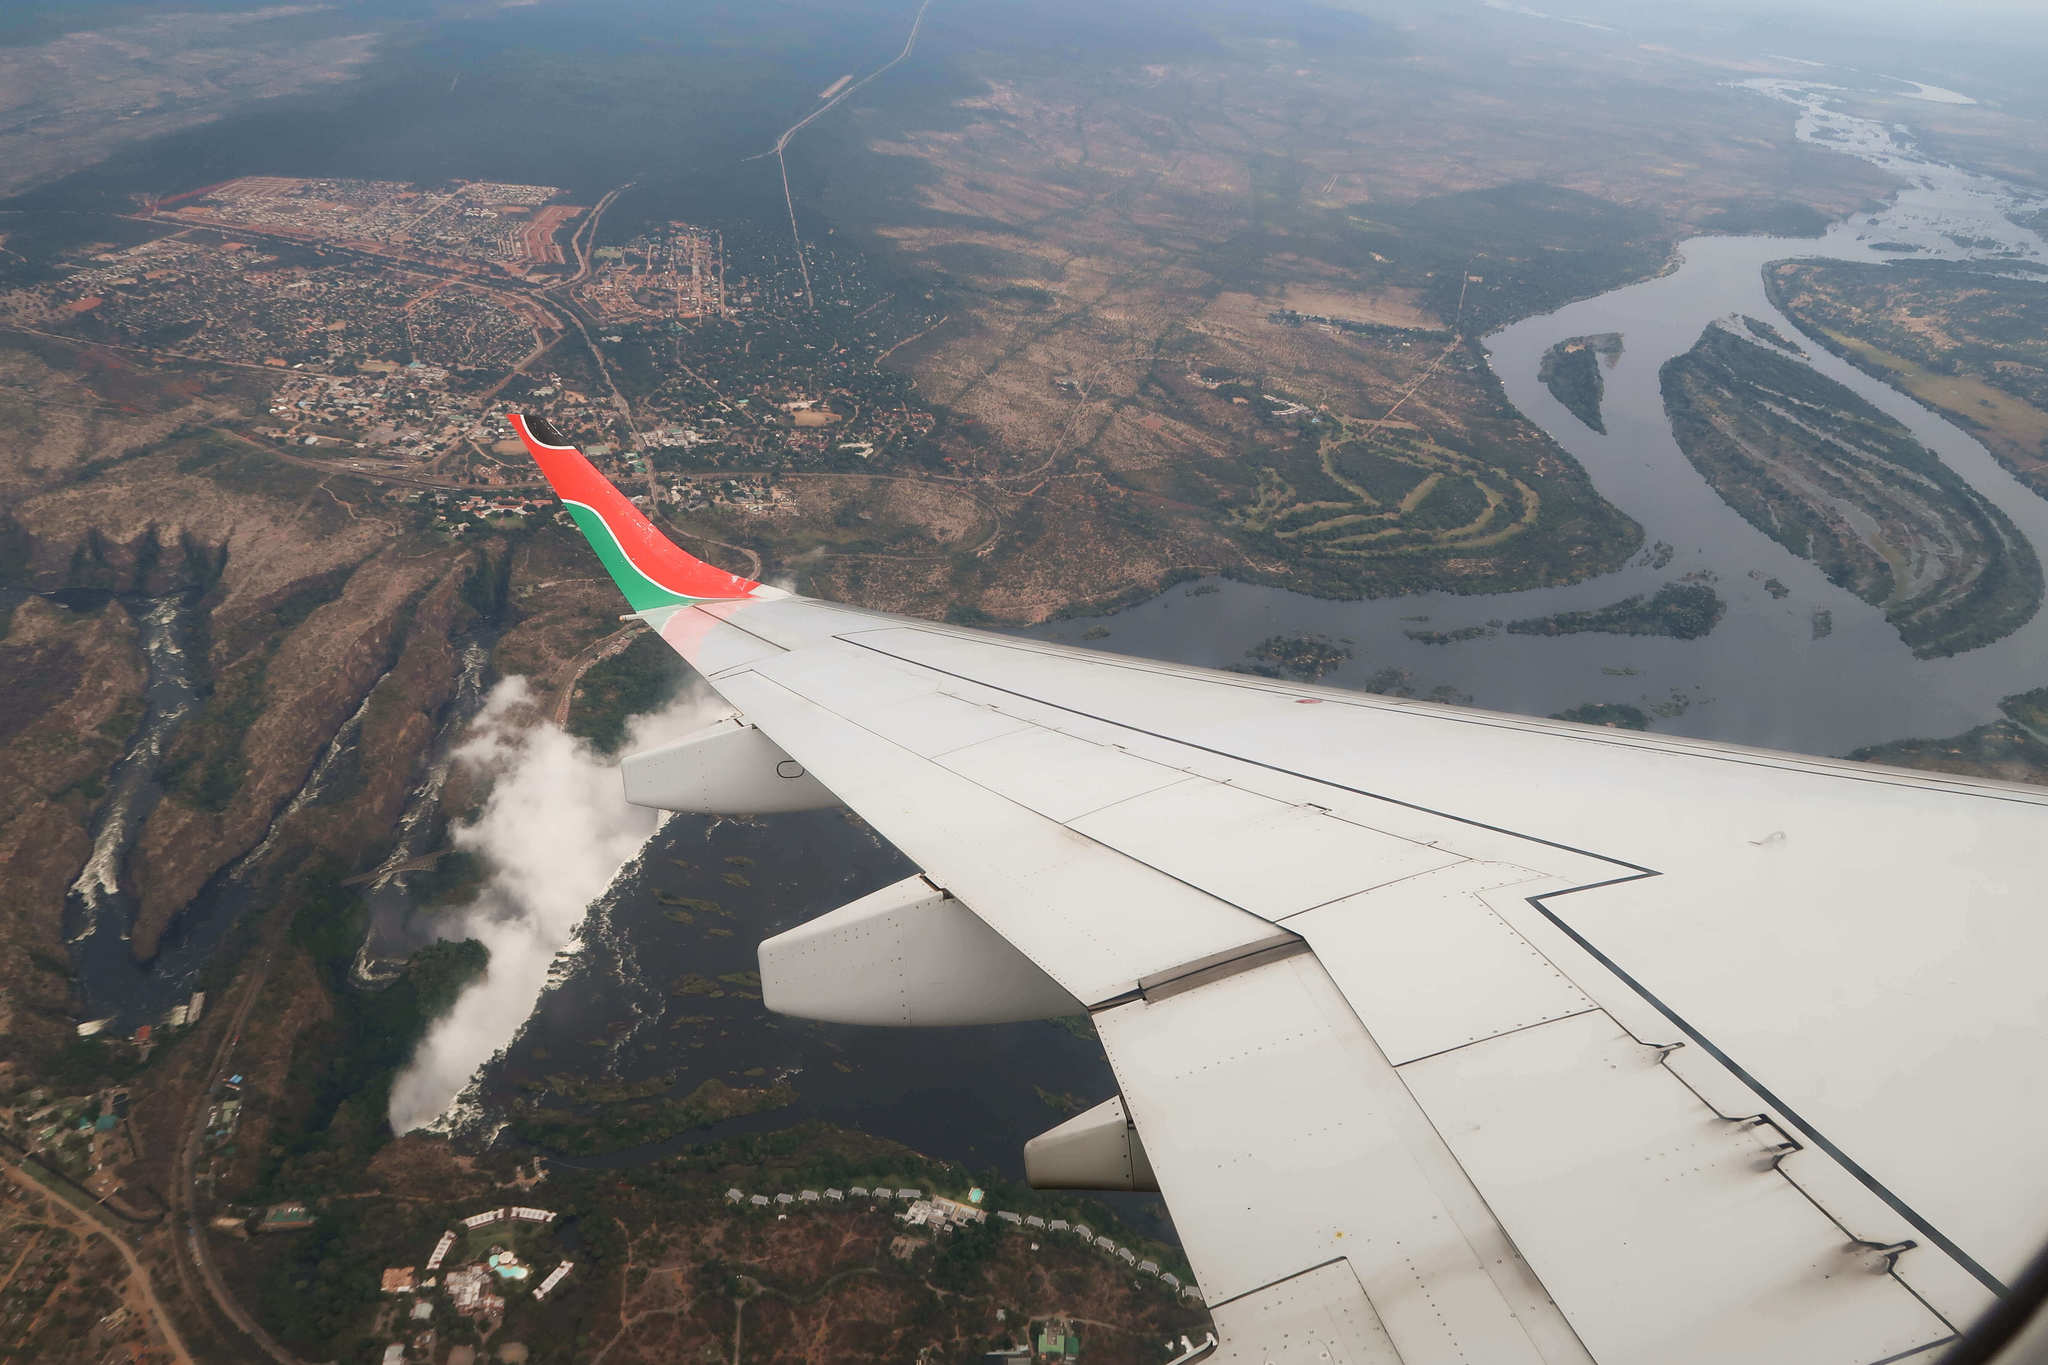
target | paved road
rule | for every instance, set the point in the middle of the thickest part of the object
(782, 143)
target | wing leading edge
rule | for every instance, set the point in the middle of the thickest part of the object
(1452, 1035)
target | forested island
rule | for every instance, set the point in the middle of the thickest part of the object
(2012, 748)
(1448, 637)
(1683, 611)
(1764, 331)
(1305, 657)
(1822, 472)
(1571, 371)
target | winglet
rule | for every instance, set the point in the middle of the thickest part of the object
(649, 568)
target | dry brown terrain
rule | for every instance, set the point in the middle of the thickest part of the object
(70, 695)
(827, 1286)
(1110, 235)
(318, 596)
(71, 101)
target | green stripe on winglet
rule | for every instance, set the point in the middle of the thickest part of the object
(642, 592)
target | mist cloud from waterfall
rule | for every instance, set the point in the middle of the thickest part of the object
(553, 834)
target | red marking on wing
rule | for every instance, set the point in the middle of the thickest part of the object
(654, 554)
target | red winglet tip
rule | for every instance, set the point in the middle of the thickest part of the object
(650, 554)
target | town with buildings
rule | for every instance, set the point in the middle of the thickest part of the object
(397, 324)
(452, 1303)
(678, 272)
(513, 228)
(82, 1138)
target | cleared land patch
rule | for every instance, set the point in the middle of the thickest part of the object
(1392, 307)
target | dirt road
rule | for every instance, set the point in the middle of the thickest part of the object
(91, 1224)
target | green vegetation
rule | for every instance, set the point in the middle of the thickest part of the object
(1768, 218)
(81, 1063)
(2014, 749)
(1683, 611)
(452, 879)
(318, 1289)
(1303, 657)
(816, 1155)
(1448, 637)
(1832, 479)
(1763, 331)
(1532, 247)
(1079, 1025)
(206, 765)
(1457, 491)
(746, 985)
(323, 1136)
(352, 1056)
(635, 1122)
(1973, 345)
(1061, 1102)
(121, 725)
(1477, 503)
(638, 679)
(1571, 371)
(1615, 715)
(487, 590)
(207, 762)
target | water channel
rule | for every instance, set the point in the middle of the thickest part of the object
(116, 992)
(1765, 675)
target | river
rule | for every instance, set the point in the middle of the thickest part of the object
(117, 993)
(113, 987)
(1764, 675)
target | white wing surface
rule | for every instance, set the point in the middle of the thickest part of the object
(1453, 1036)
(1461, 1036)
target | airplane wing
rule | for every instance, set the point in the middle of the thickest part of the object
(1446, 1035)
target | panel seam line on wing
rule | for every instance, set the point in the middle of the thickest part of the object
(1793, 763)
(1637, 872)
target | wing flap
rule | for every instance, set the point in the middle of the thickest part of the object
(1859, 946)
(1429, 966)
(1285, 1141)
(1665, 1233)
(1319, 1317)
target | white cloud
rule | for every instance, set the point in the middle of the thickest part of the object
(553, 834)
